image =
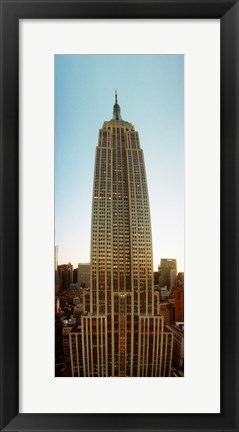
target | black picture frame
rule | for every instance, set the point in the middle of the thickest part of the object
(11, 12)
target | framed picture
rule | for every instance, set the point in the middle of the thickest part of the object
(118, 356)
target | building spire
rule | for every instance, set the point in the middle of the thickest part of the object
(116, 109)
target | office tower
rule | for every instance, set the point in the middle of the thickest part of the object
(121, 247)
(168, 271)
(65, 276)
(120, 336)
(83, 275)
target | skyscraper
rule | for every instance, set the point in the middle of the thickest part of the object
(120, 335)
(121, 245)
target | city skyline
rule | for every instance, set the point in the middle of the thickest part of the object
(80, 101)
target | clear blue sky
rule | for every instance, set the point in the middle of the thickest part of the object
(151, 96)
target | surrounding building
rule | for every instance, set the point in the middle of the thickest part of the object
(168, 273)
(179, 305)
(164, 294)
(167, 354)
(178, 346)
(180, 278)
(75, 275)
(167, 310)
(173, 281)
(121, 335)
(83, 276)
(64, 276)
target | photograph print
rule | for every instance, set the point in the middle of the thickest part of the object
(119, 216)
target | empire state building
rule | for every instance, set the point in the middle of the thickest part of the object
(121, 332)
(121, 245)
